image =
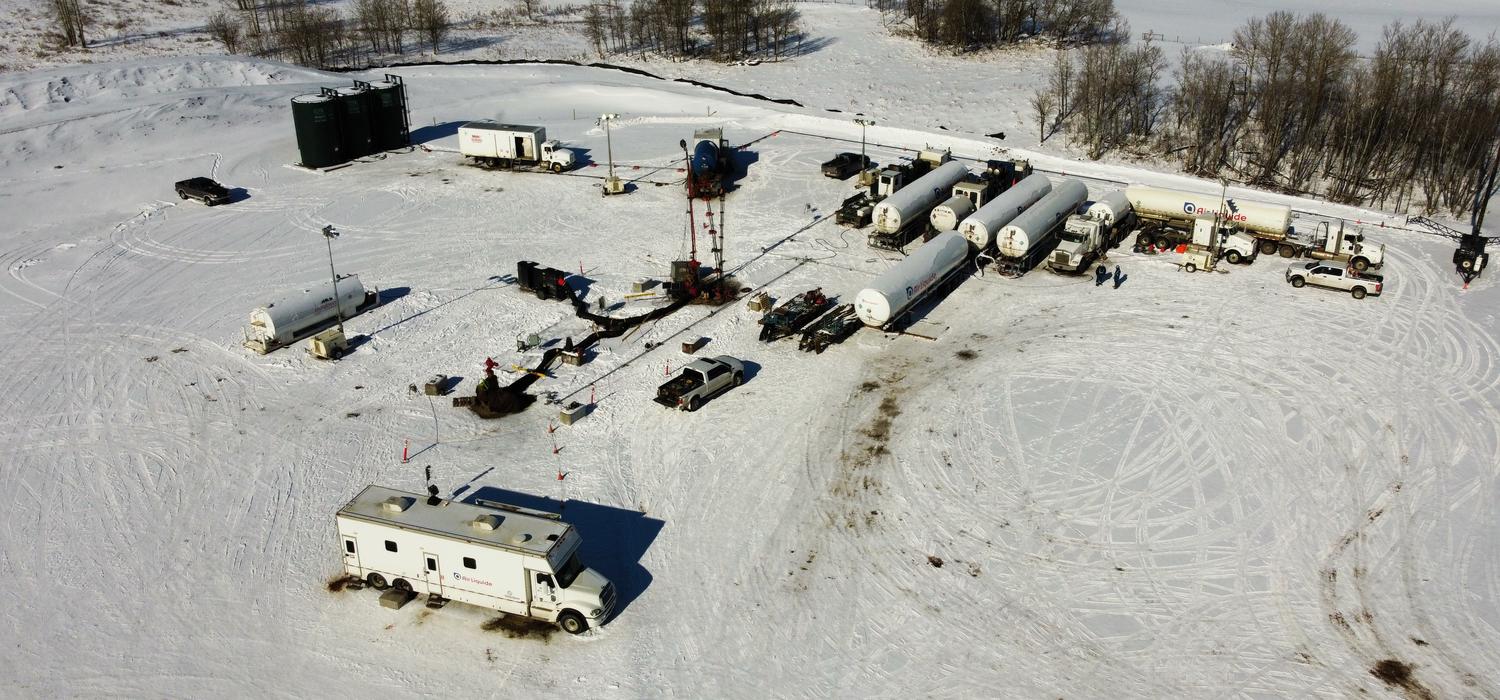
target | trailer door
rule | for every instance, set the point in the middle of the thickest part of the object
(521, 153)
(542, 594)
(351, 557)
(431, 573)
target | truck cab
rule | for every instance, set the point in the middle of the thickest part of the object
(555, 157)
(1234, 246)
(1081, 240)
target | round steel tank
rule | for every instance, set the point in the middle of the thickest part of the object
(319, 138)
(388, 116)
(355, 107)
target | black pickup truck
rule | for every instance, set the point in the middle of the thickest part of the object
(845, 164)
(203, 190)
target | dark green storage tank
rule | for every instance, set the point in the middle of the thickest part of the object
(355, 108)
(316, 119)
(390, 115)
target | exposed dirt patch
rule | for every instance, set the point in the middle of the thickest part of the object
(517, 627)
(966, 354)
(868, 387)
(935, 561)
(338, 583)
(1398, 674)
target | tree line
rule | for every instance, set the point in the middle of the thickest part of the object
(968, 25)
(725, 30)
(1293, 107)
(309, 34)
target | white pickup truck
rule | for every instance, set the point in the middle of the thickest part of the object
(1334, 276)
(699, 381)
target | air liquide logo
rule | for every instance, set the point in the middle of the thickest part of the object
(1233, 214)
(470, 579)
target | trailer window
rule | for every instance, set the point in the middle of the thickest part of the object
(349, 546)
(469, 563)
(569, 571)
(390, 546)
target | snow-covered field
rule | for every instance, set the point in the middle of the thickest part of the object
(1192, 485)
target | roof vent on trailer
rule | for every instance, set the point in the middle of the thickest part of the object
(487, 522)
(397, 504)
(521, 538)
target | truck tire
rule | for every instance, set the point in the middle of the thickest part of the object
(402, 585)
(1268, 247)
(1357, 292)
(1288, 251)
(376, 581)
(738, 379)
(182, 195)
(1233, 257)
(1361, 264)
(572, 623)
(1298, 282)
(557, 167)
(694, 404)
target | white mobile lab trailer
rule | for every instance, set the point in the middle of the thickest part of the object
(496, 556)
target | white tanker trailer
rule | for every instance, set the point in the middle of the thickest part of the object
(1173, 213)
(895, 291)
(907, 208)
(1029, 237)
(980, 228)
(296, 316)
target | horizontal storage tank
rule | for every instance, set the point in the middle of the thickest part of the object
(945, 216)
(914, 201)
(284, 320)
(982, 226)
(1110, 208)
(1270, 219)
(1028, 232)
(316, 120)
(895, 290)
(355, 108)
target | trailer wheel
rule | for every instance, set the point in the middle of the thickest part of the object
(1467, 264)
(1233, 257)
(694, 403)
(402, 585)
(1298, 282)
(1288, 251)
(571, 622)
(1361, 264)
(1189, 267)
(1268, 247)
(376, 581)
(337, 354)
(1357, 292)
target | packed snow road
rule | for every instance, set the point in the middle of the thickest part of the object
(1189, 485)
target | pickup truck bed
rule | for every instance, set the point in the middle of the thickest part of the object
(667, 394)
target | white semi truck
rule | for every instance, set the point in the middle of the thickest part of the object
(1088, 236)
(496, 556)
(508, 145)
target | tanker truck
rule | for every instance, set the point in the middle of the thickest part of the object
(976, 191)
(893, 294)
(1023, 242)
(901, 216)
(1088, 236)
(981, 226)
(1168, 217)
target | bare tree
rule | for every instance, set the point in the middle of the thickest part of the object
(431, 18)
(1042, 104)
(225, 28)
(72, 17)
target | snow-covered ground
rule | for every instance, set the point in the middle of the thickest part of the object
(1192, 485)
